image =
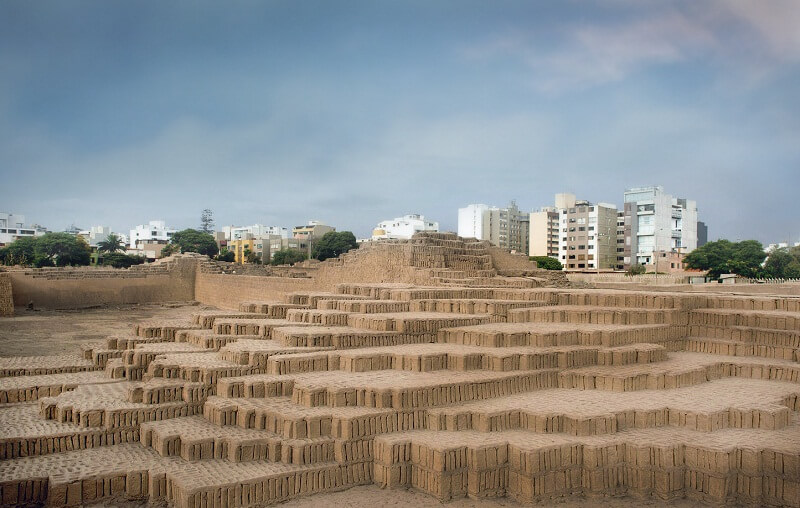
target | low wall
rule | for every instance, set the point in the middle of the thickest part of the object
(71, 291)
(6, 296)
(710, 287)
(625, 278)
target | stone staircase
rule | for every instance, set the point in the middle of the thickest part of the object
(455, 390)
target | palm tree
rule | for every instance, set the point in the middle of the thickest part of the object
(112, 243)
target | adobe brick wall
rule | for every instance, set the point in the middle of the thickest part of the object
(504, 260)
(227, 291)
(6, 296)
(76, 289)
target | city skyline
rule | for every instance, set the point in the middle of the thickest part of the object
(353, 113)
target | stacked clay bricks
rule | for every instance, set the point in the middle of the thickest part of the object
(454, 389)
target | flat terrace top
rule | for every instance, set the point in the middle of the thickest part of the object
(713, 396)
(661, 437)
(549, 327)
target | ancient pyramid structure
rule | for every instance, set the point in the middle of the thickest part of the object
(463, 373)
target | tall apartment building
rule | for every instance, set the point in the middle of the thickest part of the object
(620, 240)
(403, 228)
(657, 222)
(702, 233)
(507, 228)
(470, 221)
(544, 232)
(588, 234)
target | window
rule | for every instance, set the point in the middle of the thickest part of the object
(581, 247)
(582, 228)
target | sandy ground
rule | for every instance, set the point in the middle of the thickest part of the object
(34, 333)
(374, 496)
(54, 332)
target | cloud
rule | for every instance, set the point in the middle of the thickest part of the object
(775, 22)
(755, 38)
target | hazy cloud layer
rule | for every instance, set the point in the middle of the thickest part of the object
(355, 112)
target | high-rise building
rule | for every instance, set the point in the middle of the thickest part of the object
(588, 238)
(702, 233)
(620, 265)
(544, 232)
(657, 222)
(507, 228)
(470, 221)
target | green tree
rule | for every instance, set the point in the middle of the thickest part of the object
(635, 270)
(22, 251)
(288, 257)
(783, 264)
(251, 257)
(120, 260)
(207, 221)
(112, 243)
(333, 243)
(226, 255)
(547, 263)
(61, 249)
(192, 240)
(723, 256)
(169, 249)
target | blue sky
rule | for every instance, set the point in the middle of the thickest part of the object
(353, 112)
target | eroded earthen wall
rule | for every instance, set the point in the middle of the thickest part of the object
(227, 291)
(80, 289)
(6, 296)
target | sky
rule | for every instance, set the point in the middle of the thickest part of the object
(354, 112)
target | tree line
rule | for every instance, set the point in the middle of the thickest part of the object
(746, 258)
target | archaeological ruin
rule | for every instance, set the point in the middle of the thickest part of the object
(439, 364)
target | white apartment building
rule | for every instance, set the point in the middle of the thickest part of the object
(657, 222)
(403, 228)
(154, 231)
(12, 226)
(470, 220)
(254, 231)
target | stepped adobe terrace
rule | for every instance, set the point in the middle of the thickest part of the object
(455, 371)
